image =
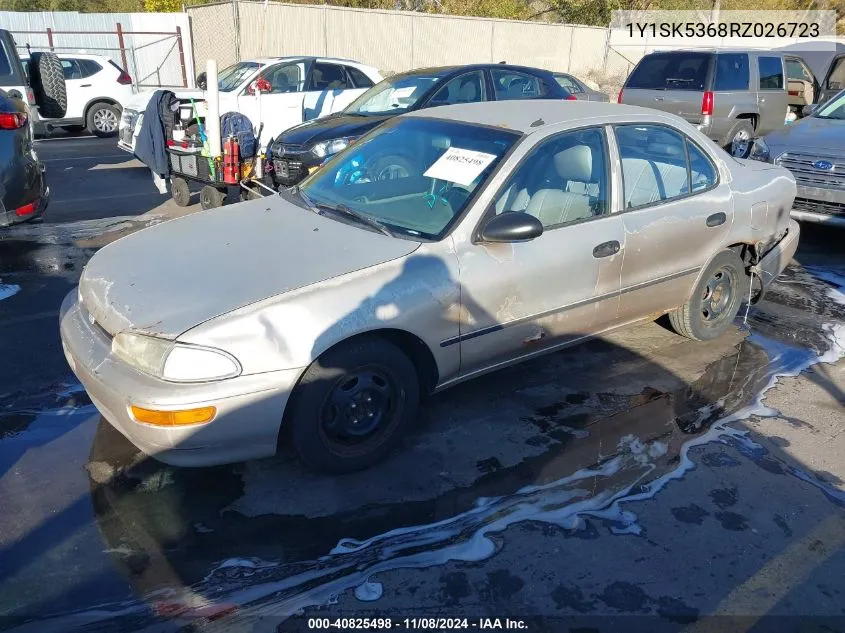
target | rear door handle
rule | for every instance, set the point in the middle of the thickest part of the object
(606, 249)
(716, 219)
(658, 98)
(85, 86)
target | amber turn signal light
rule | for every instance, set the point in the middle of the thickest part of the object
(178, 417)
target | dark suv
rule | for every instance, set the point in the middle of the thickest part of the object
(301, 149)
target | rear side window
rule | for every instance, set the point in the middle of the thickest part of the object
(771, 73)
(509, 85)
(731, 72)
(328, 77)
(671, 71)
(89, 67)
(654, 164)
(71, 69)
(702, 170)
(358, 78)
(567, 82)
(796, 70)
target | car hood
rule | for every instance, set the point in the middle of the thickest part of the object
(333, 126)
(810, 134)
(168, 278)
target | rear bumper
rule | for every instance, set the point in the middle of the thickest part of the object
(773, 263)
(9, 216)
(249, 408)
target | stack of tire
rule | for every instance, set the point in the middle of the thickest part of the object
(48, 83)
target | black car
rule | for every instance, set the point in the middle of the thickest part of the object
(303, 148)
(23, 190)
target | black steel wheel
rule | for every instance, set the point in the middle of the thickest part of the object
(715, 301)
(353, 405)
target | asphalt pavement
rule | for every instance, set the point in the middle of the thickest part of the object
(640, 481)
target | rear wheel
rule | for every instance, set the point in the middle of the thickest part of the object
(740, 139)
(715, 301)
(353, 405)
(211, 198)
(103, 119)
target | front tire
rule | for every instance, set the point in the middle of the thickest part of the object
(715, 301)
(353, 406)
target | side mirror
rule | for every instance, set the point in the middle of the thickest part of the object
(511, 226)
(202, 84)
(807, 110)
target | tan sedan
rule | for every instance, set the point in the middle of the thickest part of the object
(320, 315)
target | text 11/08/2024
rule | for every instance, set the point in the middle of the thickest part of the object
(430, 624)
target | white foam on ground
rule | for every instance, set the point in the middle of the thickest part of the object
(8, 290)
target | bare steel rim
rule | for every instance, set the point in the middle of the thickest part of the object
(361, 410)
(105, 120)
(741, 144)
(718, 297)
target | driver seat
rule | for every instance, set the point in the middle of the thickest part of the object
(557, 206)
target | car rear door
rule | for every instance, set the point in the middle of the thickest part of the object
(672, 227)
(772, 99)
(672, 82)
(520, 298)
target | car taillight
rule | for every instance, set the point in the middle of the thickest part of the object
(30, 96)
(707, 103)
(27, 209)
(124, 78)
(12, 120)
(619, 97)
(571, 98)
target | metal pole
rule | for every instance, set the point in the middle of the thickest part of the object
(237, 22)
(122, 46)
(181, 56)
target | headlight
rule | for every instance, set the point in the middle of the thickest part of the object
(327, 148)
(174, 361)
(760, 151)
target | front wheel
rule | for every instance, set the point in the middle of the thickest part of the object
(715, 301)
(353, 406)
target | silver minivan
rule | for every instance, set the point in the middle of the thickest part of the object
(730, 95)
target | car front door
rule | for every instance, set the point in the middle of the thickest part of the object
(280, 107)
(520, 298)
(329, 89)
(676, 213)
(772, 100)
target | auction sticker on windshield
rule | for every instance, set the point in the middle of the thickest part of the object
(459, 165)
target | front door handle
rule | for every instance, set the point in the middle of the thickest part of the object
(85, 86)
(606, 249)
(716, 219)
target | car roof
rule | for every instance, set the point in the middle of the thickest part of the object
(446, 70)
(528, 116)
(309, 58)
(81, 56)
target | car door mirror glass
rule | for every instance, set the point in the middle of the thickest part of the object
(511, 226)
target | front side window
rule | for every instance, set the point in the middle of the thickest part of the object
(731, 72)
(702, 169)
(233, 76)
(771, 73)
(414, 176)
(466, 88)
(654, 164)
(671, 71)
(393, 96)
(284, 78)
(562, 181)
(509, 85)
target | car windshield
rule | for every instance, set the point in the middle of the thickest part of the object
(833, 109)
(393, 96)
(413, 176)
(233, 76)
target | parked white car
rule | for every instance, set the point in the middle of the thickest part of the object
(298, 89)
(97, 89)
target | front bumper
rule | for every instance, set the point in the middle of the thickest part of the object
(290, 169)
(819, 205)
(249, 408)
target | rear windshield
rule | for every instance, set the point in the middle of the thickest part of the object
(671, 71)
